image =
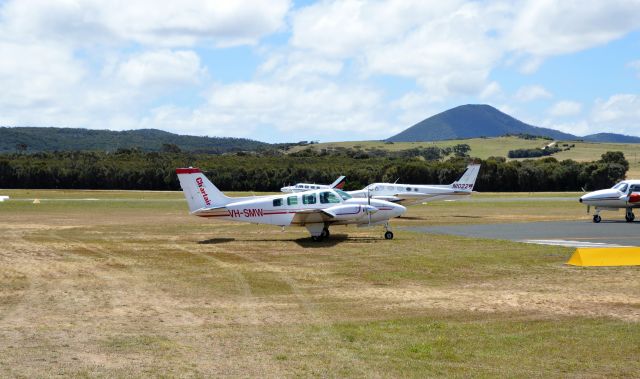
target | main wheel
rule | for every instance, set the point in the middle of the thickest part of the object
(388, 235)
(597, 218)
(630, 217)
(316, 238)
(325, 233)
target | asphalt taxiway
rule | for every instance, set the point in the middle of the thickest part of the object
(564, 233)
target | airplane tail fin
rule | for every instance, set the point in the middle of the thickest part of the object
(339, 183)
(468, 179)
(199, 191)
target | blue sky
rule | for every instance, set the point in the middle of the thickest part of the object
(282, 71)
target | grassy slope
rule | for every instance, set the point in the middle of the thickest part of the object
(139, 288)
(500, 146)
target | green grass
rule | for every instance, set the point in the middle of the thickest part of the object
(129, 287)
(500, 146)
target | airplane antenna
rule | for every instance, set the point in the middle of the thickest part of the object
(396, 181)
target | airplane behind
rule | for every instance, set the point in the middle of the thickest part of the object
(301, 187)
(315, 210)
(418, 193)
(625, 194)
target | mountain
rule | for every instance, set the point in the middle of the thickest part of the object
(39, 139)
(611, 138)
(472, 121)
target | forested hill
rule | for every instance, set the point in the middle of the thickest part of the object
(38, 139)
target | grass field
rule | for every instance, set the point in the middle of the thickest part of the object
(500, 146)
(130, 285)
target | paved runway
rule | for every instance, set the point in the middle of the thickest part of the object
(564, 233)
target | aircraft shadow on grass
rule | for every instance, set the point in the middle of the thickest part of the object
(303, 242)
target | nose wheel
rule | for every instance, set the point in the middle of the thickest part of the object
(597, 218)
(629, 216)
(388, 234)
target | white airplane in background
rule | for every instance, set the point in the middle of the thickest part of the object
(316, 210)
(301, 187)
(3, 198)
(419, 193)
(625, 194)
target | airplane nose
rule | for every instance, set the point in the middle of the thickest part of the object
(580, 200)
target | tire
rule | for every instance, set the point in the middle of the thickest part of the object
(597, 219)
(629, 217)
(316, 238)
(388, 235)
(325, 233)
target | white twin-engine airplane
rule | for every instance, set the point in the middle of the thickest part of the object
(625, 194)
(418, 193)
(302, 187)
(315, 209)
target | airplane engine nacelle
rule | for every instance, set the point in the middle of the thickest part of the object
(350, 212)
(634, 198)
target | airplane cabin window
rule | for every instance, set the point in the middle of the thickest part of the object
(390, 188)
(634, 188)
(408, 189)
(309, 199)
(292, 200)
(306, 186)
(277, 202)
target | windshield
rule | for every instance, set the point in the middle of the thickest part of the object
(622, 187)
(343, 195)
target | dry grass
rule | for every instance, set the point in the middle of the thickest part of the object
(139, 288)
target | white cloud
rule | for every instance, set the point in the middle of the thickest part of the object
(491, 90)
(326, 111)
(531, 93)
(162, 68)
(619, 112)
(543, 28)
(181, 23)
(565, 108)
(636, 66)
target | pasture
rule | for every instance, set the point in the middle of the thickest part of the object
(499, 147)
(127, 284)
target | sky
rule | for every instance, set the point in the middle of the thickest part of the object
(286, 71)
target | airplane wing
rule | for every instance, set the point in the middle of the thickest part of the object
(311, 216)
(417, 198)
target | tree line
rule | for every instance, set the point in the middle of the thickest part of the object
(132, 169)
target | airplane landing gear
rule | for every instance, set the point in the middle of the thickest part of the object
(629, 216)
(388, 235)
(597, 218)
(325, 233)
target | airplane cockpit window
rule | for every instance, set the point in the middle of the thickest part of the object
(277, 202)
(343, 195)
(309, 199)
(622, 187)
(377, 188)
(328, 197)
(299, 186)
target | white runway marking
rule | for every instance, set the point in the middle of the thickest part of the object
(571, 243)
